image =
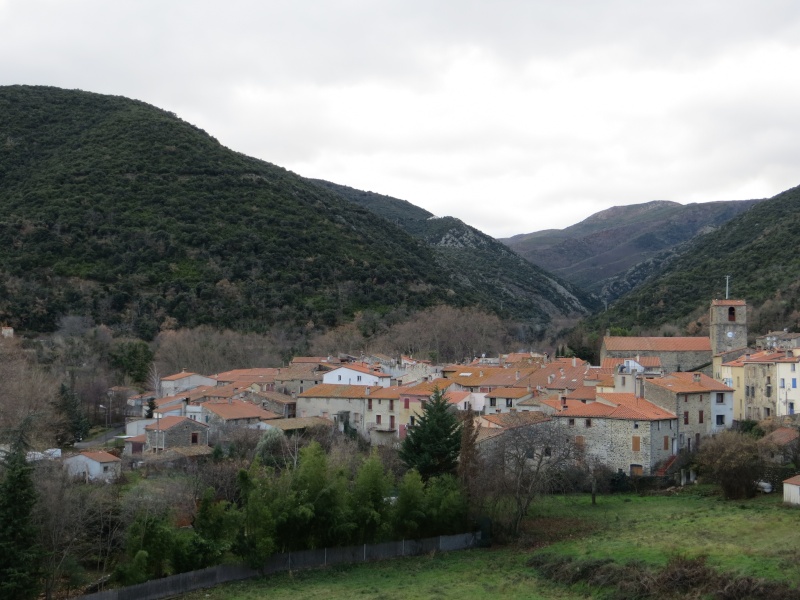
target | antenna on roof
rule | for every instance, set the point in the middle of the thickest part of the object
(727, 285)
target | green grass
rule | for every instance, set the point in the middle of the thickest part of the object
(758, 538)
(462, 575)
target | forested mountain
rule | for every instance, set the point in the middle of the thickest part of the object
(757, 249)
(614, 250)
(500, 277)
(118, 210)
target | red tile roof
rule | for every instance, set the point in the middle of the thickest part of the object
(165, 423)
(100, 456)
(232, 410)
(510, 420)
(456, 397)
(728, 303)
(266, 375)
(657, 344)
(685, 383)
(645, 361)
(781, 436)
(792, 480)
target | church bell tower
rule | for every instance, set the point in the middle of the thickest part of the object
(728, 325)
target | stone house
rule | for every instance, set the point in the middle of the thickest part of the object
(175, 432)
(703, 405)
(295, 380)
(94, 466)
(620, 430)
(676, 353)
(233, 412)
(780, 446)
(340, 403)
(281, 404)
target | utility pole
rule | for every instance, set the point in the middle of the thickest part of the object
(727, 285)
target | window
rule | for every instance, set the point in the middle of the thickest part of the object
(686, 417)
(378, 419)
(781, 383)
(105, 468)
(358, 378)
(720, 398)
(767, 412)
(635, 425)
(492, 401)
(369, 403)
(732, 314)
(509, 403)
(340, 377)
(720, 419)
(793, 367)
(636, 443)
(391, 421)
(548, 452)
(794, 381)
(391, 405)
(588, 423)
(406, 403)
(700, 417)
(195, 437)
(686, 397)
(666, 442)
(572, 422)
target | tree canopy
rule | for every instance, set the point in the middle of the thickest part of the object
(432, 445)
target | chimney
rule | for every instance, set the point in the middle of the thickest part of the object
(517, 375)
(366, 391)
(480, 373)
(574, 361)
(696, 377)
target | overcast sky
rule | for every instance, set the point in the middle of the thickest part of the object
(513, 116)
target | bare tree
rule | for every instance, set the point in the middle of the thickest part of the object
(520, 464)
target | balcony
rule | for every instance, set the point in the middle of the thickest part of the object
(387, 427)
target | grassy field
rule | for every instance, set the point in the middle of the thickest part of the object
(758, 537)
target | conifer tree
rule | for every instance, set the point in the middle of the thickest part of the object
(20, 557)
(432, 446)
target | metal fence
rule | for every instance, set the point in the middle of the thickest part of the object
(289, 561)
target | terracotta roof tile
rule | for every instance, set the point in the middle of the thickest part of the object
(656, 344)
(100, 456)
(728, 303)
(178, 376)
(781, 436)
(232, 410)
(169, 422)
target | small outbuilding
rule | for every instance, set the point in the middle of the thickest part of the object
(791, 490)
(94, 466)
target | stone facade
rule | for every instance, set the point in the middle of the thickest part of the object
(173, 432)
(634, 447)
(703, 405)
(727, 325)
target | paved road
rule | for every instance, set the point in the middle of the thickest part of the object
(101, 439)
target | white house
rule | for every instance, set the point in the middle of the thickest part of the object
(183, 381)
(94, 466)
(791, 490)
(357, 375)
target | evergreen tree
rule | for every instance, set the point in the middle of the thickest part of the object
(76, 425)
(20, 557)
(432, 446)
(151, 408)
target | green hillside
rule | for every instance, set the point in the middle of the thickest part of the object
(756, 249)
(113, 208)
(118, 210)
(500, 278)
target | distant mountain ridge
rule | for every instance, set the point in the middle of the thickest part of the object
(756, 248)
(614, 250)
(501, 278)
